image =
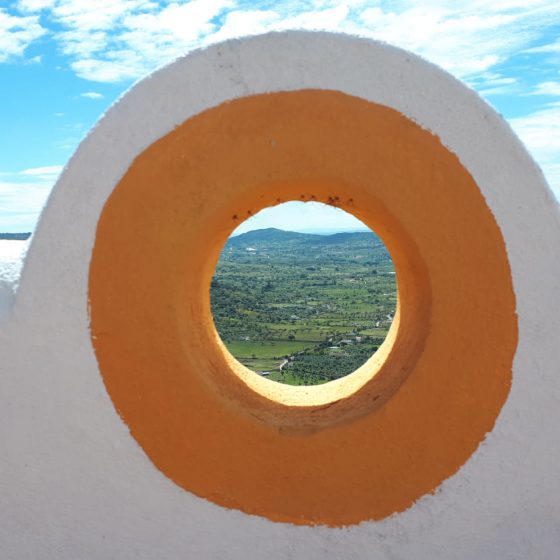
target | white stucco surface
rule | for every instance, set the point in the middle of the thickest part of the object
(12, 254)
(73, 482)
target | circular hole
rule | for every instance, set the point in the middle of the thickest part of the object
(303, 293)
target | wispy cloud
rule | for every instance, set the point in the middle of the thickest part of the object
(128, 67)
(48, 172)
(547, 48)
(92, 95)
(17, 33)
(21, 203)
(466, 37)
(116, 40)
(35, 5)
(244, 22)
(488, 84)
(552, 173)
(23, 195)
(541, 133)
(34, 60)
(547, 88)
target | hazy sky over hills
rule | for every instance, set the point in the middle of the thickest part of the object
(302, 216)
(64, 62)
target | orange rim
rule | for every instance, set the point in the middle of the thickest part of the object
(340, 453)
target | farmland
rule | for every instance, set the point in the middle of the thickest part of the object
(303, 308)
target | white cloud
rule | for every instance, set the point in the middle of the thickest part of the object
(34, 60)
(82, 44)
(17, 33)
(547, 88)
(35, 5)
(498, 90)
(540, 131)
(107, 70)
(244, 22)
(252, 22)
(115, 40)
(92, 95)
(48, 172)
(490, 83)
(185, 23)
(548, 48)
(118, 40)
(552, 173)
(89, 25)
(21, 203)
(332, 18)
(461, 39)
(86, 15)
(23, 195)
(155, 38)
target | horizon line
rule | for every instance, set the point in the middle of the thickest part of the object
(316, 231)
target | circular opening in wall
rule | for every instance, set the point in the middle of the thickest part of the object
(191, 406)
(303, 293)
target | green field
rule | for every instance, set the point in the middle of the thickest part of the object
(316, 305)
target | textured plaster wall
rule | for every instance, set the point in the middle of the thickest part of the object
(74, 484)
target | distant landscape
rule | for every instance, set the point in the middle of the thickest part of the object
(15, 236)
(303, 308)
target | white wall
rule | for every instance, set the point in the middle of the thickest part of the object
(73, 482)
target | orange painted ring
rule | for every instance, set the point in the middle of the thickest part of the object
(337, 454)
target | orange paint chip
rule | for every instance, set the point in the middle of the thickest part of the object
(360, 448)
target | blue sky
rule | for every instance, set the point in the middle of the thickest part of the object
(64, 62)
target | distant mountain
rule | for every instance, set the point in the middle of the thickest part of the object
(268, 237)
(330, 231)
(15, 236)
(347, 237)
